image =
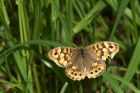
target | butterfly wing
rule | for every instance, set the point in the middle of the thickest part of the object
(61, 55)
(101, 52)
(76, 70)
(106, 49)
(96, 69)
(70, 59)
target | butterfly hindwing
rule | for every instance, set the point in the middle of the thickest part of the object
(96, 69)
(75, 73)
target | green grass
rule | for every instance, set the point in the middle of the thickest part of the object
(30, 28)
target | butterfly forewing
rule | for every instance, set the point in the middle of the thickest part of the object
(105, 49)
(61, 55)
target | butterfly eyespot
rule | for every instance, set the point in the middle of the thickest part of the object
(71, 72)
(80, 74)
(110, 46)
(55, 53)
(96, 71)
(75, 74)
(91, 72)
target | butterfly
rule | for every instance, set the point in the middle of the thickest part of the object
(86, 61)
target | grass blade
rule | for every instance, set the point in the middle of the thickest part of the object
(64, 88)
(134, 63)
(121, 9)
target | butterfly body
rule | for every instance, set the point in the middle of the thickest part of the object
(82, 52)
(85, 61)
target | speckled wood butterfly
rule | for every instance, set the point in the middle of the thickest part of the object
(84, 61)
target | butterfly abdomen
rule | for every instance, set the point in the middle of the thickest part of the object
(82, 52)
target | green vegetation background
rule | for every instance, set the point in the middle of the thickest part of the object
(30, 28)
